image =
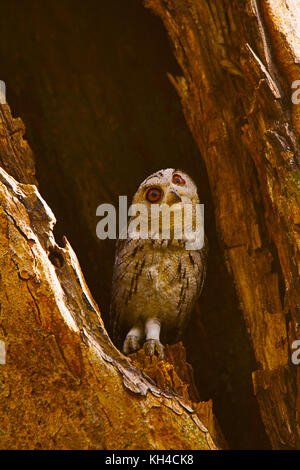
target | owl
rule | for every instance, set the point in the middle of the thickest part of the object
(156, 280)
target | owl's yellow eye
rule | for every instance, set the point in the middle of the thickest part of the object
(177, 179)
(153, 195)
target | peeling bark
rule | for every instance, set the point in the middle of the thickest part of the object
(16, 156)
(238, 61)
(64, 385)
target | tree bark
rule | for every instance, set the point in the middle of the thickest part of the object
(238, 62)
(63, 384)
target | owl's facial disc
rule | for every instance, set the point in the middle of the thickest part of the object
(158, 187)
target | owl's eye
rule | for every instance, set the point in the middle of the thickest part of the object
(177, 179)
(153, 194)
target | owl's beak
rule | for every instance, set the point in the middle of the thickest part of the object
(173, 197)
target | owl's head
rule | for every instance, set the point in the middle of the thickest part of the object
(166, 195)
(167, 186)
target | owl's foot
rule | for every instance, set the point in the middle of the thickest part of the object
(131, 344)
(154, 345)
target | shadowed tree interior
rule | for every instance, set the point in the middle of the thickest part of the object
(89, 79)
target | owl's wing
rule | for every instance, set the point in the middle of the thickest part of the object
(124, 256)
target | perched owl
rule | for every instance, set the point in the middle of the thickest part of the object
(156, 281)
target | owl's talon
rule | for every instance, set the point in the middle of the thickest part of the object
(131, 344)
(154, 345)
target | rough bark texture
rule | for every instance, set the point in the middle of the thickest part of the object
(96, 104)
(238, 61)
(15, 154)
(63, 385)
(101, 115)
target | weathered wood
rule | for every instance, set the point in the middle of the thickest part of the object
(63, 384)
(99, 123)
(16, 156)
(238, 61)
(175, 374)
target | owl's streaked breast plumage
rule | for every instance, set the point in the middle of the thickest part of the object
(156, 281)
(155, 278)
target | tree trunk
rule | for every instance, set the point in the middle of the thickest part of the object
(63, 384)
(239, 60)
